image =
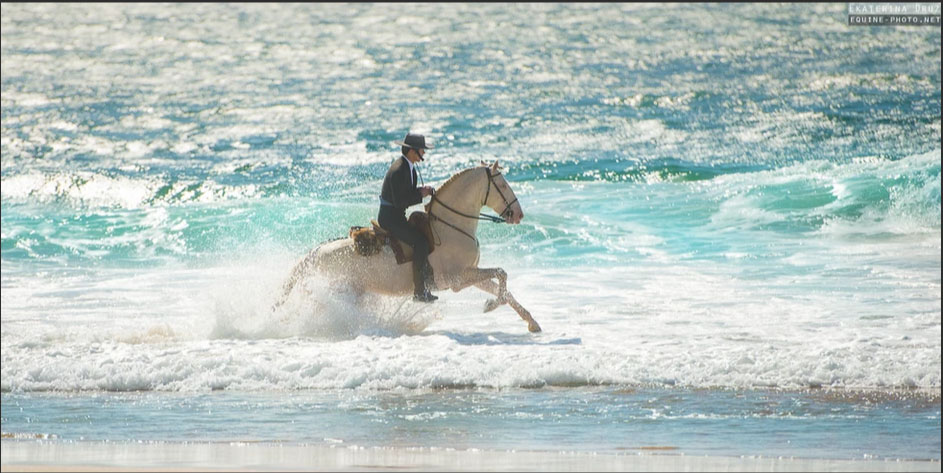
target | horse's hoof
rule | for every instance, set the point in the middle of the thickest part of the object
(491, 304)
(533, 327)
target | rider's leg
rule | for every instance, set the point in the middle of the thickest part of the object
(422, 271)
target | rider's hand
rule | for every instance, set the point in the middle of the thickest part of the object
(425, 191)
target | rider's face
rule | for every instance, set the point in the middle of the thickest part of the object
(418, 152)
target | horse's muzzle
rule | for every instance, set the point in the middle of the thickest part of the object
(514, 218)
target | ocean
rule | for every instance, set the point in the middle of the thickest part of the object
(731, 235)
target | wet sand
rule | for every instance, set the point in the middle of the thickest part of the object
(58, 456)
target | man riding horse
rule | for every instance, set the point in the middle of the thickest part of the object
(400, 190)
(453, 214)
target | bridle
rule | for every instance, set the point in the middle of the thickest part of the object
(499, 219)
(507, 205)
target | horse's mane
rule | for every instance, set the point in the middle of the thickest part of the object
(454, 177)
(457, 175)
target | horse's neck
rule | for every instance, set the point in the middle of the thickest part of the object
(464, 196)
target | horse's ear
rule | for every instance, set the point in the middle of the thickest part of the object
(483, 163)
(495, 167)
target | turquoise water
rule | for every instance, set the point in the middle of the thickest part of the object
(733, 210)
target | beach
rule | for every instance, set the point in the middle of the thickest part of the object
(65, 457)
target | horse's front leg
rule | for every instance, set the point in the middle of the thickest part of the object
(482, 279)
(499, 289)
(474, 276)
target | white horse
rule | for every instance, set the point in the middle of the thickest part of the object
(454, 215)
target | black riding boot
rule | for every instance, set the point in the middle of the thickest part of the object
(422, 281)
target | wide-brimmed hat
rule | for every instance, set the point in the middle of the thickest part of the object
(414, 141)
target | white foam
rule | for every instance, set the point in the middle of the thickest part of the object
(90, 189)
(664, 324)
(641, 131)
(85, 188)
(26, 99)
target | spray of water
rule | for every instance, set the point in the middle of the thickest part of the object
(318, 308)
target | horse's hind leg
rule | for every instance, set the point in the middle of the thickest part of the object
(297, 274)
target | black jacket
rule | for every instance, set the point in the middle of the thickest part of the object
(399, 188)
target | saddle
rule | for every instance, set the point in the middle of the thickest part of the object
(368, 241)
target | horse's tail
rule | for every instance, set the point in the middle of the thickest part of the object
(297, 273)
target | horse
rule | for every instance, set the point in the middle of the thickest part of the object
(453, 214)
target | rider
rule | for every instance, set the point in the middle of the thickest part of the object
(400, 191)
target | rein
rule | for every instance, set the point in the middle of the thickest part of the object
(491, 218)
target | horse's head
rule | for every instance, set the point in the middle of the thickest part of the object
(501, 198)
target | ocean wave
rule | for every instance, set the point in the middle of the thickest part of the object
(108, 190)
(118, 217)
(870, 196)
(433, 361)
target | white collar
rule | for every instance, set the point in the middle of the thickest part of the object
(411, 168)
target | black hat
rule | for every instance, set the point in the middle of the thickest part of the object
(414, 141)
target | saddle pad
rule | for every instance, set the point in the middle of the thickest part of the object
(367, 241)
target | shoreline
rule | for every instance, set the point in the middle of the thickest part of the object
(59, 456)
(838, 393)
